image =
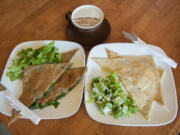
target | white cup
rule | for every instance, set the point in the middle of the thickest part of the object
(85, 12)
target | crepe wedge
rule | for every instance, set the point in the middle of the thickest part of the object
(67, 56)
(156, 91)
(111, 55)
(142, 100)
(65, 84)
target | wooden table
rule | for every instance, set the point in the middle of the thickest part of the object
(155, 21)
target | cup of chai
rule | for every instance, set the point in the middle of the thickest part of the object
(86, 17)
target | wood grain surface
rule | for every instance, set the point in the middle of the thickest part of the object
(155, 21)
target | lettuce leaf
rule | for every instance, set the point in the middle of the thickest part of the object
(44, 55)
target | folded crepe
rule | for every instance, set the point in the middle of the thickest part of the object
(132, 69)
(142, 100)
(67, 56)
(155, 90)
(67, 82)
(111, 55)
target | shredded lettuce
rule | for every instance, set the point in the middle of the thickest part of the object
(26, 57)
(111, 96)
(55, 103)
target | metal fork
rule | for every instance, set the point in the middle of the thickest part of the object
(135, 39)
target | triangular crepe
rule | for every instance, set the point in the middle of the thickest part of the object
(142, 100)
(67, 56)
(129, 68)
(155, 91)
(37, 80)
(112, 54)
(68, 80)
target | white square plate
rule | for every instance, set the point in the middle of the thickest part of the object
(159, 116)
(68, 104)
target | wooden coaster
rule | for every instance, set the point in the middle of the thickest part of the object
(91, 37)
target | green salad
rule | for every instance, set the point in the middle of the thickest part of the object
(111, 96)
(26, 57)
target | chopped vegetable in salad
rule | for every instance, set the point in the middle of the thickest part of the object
(26, 57)
(111, 96)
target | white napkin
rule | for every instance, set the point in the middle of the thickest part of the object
(24, 111)
(155, 53)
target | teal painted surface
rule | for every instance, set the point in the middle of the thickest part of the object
(3, 129)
